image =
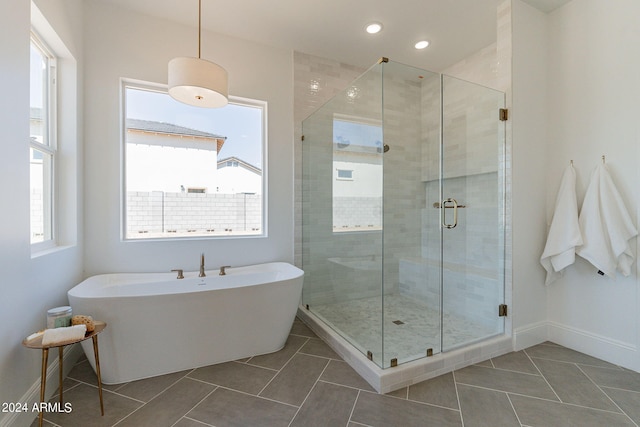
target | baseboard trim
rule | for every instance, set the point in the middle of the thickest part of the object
(70, 356)
(605, 348)
(530, 335)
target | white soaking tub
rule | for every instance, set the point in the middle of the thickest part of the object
(157, 324)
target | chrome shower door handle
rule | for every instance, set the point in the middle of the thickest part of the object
(455, 213)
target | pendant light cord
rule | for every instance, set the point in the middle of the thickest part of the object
(199, 25)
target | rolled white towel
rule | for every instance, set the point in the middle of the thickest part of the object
(58, 335)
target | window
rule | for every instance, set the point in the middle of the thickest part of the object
(42, 142)
(189, 171)
(357, 186)
(345, 174)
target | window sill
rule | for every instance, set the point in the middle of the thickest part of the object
(48, 250)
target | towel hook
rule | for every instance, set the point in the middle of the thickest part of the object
(603, 159)
(571, 162)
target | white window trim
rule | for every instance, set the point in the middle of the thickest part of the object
(50, 147)
(162, 88)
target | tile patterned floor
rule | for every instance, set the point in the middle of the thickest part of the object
(306, 384)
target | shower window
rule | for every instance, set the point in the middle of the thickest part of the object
(189, 171)
(357, 190)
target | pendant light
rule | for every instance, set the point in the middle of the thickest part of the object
(196, 81)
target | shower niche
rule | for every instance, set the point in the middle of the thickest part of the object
(403, 214)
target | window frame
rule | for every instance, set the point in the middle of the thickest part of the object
(49, 147)
(126, 83)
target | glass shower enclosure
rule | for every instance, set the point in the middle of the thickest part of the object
(403, 213)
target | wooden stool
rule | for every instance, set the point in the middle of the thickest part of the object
(37, 343)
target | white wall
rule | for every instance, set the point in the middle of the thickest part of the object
(530, 157)
(125, 44)
(31, 285)
(593, 110)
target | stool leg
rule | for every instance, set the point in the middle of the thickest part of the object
(61, 369)
(43, 382)
(95, 353)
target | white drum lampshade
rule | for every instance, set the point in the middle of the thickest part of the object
(198, 82)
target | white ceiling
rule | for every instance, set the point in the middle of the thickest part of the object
(335, 28)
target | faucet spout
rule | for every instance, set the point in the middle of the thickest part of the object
(201, 266)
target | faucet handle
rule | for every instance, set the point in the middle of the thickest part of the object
(180, 271)
(222, 268)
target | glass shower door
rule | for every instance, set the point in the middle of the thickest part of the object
(471, 208)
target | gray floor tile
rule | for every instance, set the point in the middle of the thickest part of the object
(83, 372)
(340, 372)
(45, 423)
(85, 404)
(616, 378)
(439, 391)
(278, 359)
(628, 401)
(147, 389)
(328, 405)
(543, 413)
(563, 354)
(485, 363)
(481, 407)
(401, 393)
(287, 377)
(384, 411)
(294, 381)
(224, 408)
(170, 405)
(238, 376)
(573, 386)
(514, 382)
(299, 328)
(515, 361)
(188, 422)
(317, 347)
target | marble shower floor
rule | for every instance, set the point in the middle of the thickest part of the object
(306, 384)
(360, 322)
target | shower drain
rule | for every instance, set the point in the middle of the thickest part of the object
(398, 322)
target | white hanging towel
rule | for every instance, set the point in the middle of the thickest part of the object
(606, 226)
(564, 233)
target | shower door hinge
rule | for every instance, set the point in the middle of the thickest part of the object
(504, 114)
(394, 362)
(502, 310)
(369, 355)
(302, 138)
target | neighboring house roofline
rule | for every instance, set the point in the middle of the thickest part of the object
(150, 126)
(223, 163)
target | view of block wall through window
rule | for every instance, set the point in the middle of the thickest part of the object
(191, 171)
(357, 183)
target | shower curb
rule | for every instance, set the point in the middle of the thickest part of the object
(406, 374)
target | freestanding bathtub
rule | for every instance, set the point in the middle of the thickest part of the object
(157, 324)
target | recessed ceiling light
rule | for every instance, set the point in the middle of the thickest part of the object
(422, 44)
(374, 27)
